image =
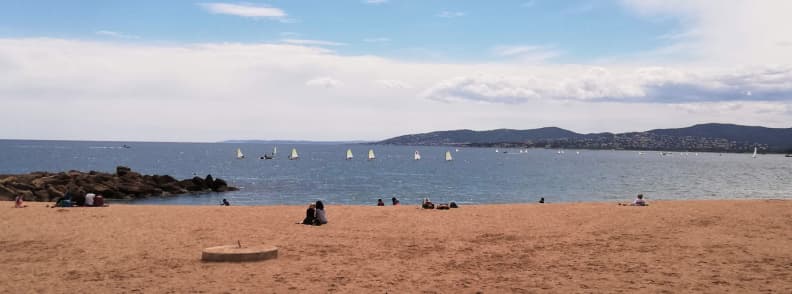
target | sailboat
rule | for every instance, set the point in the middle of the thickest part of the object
(456, 150)
(274, 151)
(417, 155)
(448, 156)
(294, 154)
(239, 154)
(496, 151)
(371, 155)
(754, 155)
(349, 154)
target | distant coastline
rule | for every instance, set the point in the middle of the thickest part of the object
(723, 138)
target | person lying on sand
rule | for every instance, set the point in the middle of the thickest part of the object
(639, 201)
(427, 204)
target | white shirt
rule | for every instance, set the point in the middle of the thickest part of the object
(89, 199)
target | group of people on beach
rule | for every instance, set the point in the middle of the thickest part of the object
(315, 215)
(87, 200)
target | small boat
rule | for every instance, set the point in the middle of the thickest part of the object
(788, 155)
(417, 155)
(640, 153)
(496, 151)
(448, 156)
(754, 155)
(349, 154)
(239, 154)
(457, 150)
(294, 154)
(267, 156)
(371, 155)
(125, 146)
(577, 152)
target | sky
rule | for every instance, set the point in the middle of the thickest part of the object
(205, 71)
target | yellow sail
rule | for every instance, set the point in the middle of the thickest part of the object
(349, 154)
(371, 154)
(239, 154)
(294, 154)
(448, 156)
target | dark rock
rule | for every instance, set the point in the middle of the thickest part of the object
(122, 170)
(124, 184)
(218, 185)
(209, 180)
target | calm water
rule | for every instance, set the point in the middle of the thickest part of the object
(477, 175)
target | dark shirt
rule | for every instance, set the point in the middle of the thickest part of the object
(310, 215)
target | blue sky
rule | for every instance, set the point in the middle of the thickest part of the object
(579, 30)
(358, 70)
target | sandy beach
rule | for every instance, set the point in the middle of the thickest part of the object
(668, 247)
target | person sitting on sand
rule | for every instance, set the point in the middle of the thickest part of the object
(310, 215)
(99, 201)
(541, 200)
(225, 202)
(321, 216)
(395, 201)
(19, 202)
(639, 201)
(89, 199)
(426, 204)
(380, 203)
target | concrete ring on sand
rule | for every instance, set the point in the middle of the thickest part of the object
(234, 253)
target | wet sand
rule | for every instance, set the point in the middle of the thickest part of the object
(669, 247)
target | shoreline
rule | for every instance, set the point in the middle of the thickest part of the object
(669, 246)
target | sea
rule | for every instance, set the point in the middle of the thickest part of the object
(474, 176)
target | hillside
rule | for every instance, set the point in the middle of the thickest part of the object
(703, 137)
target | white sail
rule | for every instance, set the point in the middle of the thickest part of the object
(496, 151)
(457, 150)
(448, 156)
(417, 155)
(239, 154)
(754, 155)
(371, 154)
(274, 150)
(294, 154)
(349, 154)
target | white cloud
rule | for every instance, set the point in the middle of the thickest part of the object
(115, 34)
(309, 42)
(527, 53)
(739, 32)
(244, 10)
(163, 91)
(645, 85)
(324, 82)
(375, 1)
(393, 84)
(377, 40)
(451, 14)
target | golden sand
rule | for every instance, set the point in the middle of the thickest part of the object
(669, 247)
